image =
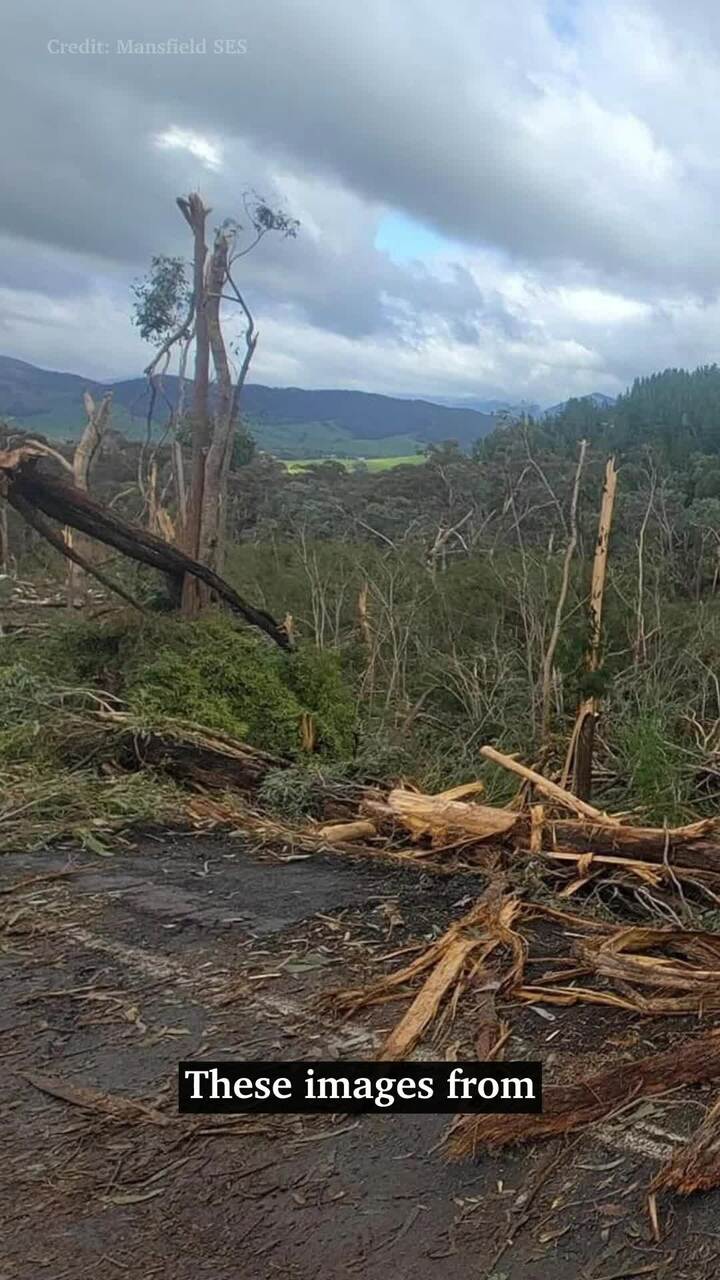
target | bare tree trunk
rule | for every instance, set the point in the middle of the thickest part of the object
(4, 541)
(210, 522)
(85, 454)
(640, 646)
(251, 341)
(177, 454)
(194, 593)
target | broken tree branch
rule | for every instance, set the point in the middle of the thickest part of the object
(65, 547)
(550, 789)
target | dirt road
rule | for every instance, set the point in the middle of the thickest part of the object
(200, 947)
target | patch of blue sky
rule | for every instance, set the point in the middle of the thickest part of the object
(562, 18)
(404, 239)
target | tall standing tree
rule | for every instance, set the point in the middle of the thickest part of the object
(213, 416)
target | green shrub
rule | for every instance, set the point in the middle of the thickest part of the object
(654, 766)
(317, 679)
(210, 673)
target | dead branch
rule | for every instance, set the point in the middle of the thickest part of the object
(551, 789)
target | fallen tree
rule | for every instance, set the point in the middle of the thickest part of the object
(451, 823)
(187, 752)
(29, 490)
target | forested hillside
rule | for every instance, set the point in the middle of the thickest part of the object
(675, 413)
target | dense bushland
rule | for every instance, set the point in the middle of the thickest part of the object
(425, 598)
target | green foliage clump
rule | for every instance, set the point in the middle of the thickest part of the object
(41, 804)
(161, 298)
(216, 676)
(22, 695)
(36, 710)
(206, 671)
(290, 793)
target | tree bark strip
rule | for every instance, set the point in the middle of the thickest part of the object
(574, 1106)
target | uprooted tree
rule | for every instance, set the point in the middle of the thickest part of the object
(213, 412)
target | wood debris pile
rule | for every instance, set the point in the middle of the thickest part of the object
(670, 970)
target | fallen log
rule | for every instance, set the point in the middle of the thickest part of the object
(696, 1166)
(24, 485)
(696, 846)
(346, 831)
(205, 761)
(203, 757)
(441, 818)
(569, 1107)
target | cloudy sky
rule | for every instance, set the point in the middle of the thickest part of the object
(513, 198)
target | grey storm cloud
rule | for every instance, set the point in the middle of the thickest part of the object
(564, 150)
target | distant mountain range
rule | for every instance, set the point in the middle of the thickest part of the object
(291, 422)
(517, 408)
(530, 407)
(597, 398)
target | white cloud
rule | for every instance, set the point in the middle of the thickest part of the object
(208, 153)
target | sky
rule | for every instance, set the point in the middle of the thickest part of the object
(498, 198)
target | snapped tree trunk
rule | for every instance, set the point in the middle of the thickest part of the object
(85, 454)
(212, 512)
(549, 659)
(584, 736)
